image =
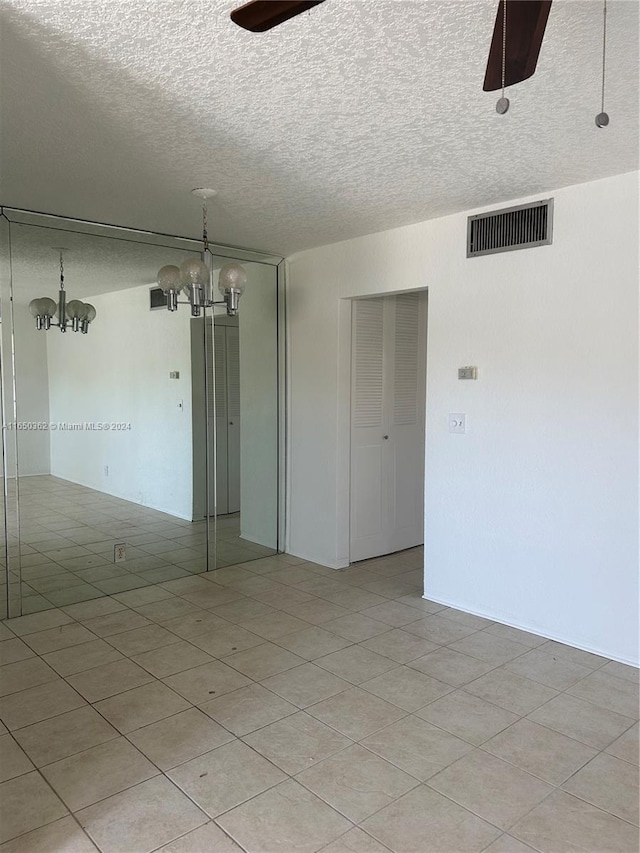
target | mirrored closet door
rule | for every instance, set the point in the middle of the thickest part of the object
(141, 446)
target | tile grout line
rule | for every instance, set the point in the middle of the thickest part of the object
(352, 644)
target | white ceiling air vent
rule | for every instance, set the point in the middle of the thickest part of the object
(520, 227)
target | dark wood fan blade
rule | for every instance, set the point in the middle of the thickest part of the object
(526, 22)
(261, 15)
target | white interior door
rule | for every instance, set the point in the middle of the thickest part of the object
(369, 490)
(387, 424)
(405, 405)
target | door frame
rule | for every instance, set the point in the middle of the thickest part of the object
(343, 425)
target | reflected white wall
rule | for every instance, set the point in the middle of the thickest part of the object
(259, 407)
(258, 319)
(32, 378)
(119, 373)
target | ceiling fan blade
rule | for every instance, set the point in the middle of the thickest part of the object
(526, 22)
(261, 15)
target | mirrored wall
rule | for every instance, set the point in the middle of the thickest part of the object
(147, 449)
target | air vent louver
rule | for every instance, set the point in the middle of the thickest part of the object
(157, 298)
(519, 227)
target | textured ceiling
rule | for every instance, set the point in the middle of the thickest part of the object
(93, 265)
(350, 119)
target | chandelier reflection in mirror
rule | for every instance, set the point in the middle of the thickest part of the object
(194, 276)
(74, 314)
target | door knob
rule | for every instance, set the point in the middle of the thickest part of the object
(230, 423)
(385, 437)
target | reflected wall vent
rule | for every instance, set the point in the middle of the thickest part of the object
(157, 298)
(521, 227)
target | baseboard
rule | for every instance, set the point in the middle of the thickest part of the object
(330, 564)
(540, 632)
(127, 499)
(31, 474)
(255, 540)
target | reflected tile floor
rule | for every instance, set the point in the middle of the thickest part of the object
(67, 538)
(279, 706)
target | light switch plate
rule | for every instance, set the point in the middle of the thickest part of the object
(468, 372)
(457, 422)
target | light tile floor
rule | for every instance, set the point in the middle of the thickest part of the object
(282, 707)
(68, 533)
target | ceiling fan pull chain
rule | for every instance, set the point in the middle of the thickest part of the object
(602, 119)
(504, 41)
(503, 103)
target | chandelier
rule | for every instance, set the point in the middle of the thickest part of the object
(75, 313)
(194, 276)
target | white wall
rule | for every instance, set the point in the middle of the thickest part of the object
(32, 392)
(531, 518)
(119, 372)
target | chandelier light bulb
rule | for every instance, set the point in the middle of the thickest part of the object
(194, 272)
(34, 307)
(75, 310)
(169, 278)
(91, 312)
(232, 277)
(43, 307)
(49, 307)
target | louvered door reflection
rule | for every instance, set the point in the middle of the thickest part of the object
(232, 359)
(224, 366)
(217, 410)
(387, 424)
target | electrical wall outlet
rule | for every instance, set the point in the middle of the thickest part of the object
(457, 422)
(119, 555)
